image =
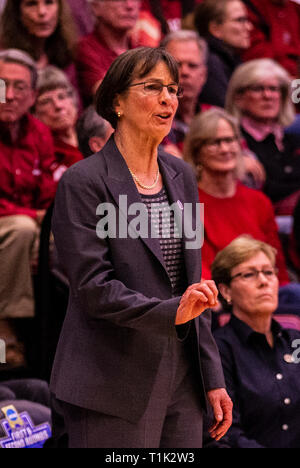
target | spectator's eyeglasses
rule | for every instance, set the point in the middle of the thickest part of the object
(252, 275)
(155, 88)
(261, 89)
(49, 101)
(191, 65)
(217, 142)
(19, 87)
(241, 20)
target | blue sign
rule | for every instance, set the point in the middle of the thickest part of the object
(21, 432)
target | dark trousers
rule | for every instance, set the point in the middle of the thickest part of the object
(173, 418)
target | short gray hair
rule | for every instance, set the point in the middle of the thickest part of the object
(250, 73)
(20, 58)
(51, 78)
(185, 35)
(90, 124)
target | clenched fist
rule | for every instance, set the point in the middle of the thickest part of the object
(197, 298)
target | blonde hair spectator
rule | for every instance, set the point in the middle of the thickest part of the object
(238, 251)
(253, 72)
(203, 128)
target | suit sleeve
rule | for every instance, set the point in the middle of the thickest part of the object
(87, 262)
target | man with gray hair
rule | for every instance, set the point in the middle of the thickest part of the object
(93, 131)
(27, 188)
(190, 52)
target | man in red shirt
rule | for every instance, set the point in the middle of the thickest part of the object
(111, 37)
(26, 183)
(276, 32)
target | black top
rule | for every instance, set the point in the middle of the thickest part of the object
(264, 384)
(222, 61)
(282, 167)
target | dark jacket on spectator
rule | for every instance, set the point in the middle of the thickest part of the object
(282, 168)
(221, 64)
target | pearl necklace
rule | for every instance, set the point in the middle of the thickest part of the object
(146, 187)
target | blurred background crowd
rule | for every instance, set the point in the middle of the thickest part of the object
(237, 124)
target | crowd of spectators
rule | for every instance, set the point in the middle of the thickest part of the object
(236, 124)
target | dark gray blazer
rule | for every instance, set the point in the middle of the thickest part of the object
(121, 311)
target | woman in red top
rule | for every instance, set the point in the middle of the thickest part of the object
(230, 208)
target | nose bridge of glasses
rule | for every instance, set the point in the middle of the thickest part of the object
(224, 142)
(168, 91)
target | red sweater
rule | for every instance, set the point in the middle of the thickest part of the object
(93, 59)
(66, 155)
(283, 43)
(247, 212)
(25, 169)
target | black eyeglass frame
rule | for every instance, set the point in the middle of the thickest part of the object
(256, 273)
(179, 93)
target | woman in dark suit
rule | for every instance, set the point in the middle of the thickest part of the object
(136, 361)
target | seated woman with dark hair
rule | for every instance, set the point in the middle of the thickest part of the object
(259, 356)
(44, 29)
(225, 26)
(57, 107)
(259, 96)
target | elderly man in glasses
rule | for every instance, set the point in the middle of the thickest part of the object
(27, 187)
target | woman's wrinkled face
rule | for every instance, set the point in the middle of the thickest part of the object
(221, 153)
(236, 27)
(40, 17)
(254, 287)
(56, 108)
(146, 110)
(262, 100)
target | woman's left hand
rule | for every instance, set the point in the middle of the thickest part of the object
(222, 408)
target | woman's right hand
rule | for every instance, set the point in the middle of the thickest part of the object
(197, 298)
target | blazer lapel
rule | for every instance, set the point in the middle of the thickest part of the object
(121, 185)
(123, 189)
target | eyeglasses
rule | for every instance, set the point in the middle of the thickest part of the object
(261, 89)
(252, 275)
(155, 88)
(191, 65)
(49, 101)
(19, 87)
(241, 19)
(217, 142)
